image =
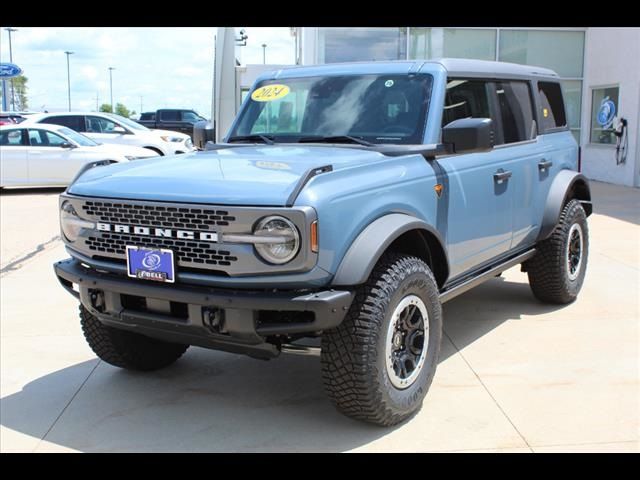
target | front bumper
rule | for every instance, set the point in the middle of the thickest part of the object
(237, 321)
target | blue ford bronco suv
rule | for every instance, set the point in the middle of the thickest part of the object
(346, 204)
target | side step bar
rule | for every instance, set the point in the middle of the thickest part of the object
(466, 285)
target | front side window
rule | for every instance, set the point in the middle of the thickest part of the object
(375, 108)
(74, 122)
(191, 116)
(516, 112)
(11, 137)
(126, 122)
(44, 138)
(465, 99)
(100, 125)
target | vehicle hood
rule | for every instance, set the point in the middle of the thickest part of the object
(162, 133)
(242, 175)
(123, 150)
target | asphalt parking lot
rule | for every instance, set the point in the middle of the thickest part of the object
(514, 376)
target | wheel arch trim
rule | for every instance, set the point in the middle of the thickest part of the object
(568, 184)
(365, 251)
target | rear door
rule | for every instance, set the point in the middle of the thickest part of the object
(557, 146)
(13, 157)
(520, 151)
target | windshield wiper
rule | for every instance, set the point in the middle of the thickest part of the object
(335, 139)
(268, 139)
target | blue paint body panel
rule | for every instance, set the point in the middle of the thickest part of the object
(478, 219)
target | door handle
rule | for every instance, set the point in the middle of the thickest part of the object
(500, 176)
(544, 165)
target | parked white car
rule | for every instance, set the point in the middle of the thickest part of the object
(52, 155)
(115, 129)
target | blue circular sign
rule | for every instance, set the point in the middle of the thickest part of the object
(9, 70)
(606, 113)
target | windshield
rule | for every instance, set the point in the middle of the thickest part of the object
(373, 108)
(127, 123)
(77, 137)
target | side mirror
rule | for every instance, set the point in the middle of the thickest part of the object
(203, 132)
(118, 130)
(67, 145)
(468, 135)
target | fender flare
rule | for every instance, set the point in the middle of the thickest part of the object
(373, 241)
(567, 184)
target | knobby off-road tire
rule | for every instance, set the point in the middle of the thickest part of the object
(355, 354)
(127, 349)
(557, 270)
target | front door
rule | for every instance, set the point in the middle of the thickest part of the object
(50, 163)
(478, 186)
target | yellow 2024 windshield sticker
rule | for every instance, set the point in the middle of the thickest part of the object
(269, 93)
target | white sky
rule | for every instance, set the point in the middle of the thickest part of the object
(168, 67)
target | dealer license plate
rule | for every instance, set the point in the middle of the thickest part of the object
(150, 264)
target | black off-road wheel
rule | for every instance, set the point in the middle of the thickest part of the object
(127, 349)
(378, 364)
(556, 272)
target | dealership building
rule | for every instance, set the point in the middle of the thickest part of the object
(599, 69)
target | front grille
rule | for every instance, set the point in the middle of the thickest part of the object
(170, 217)
(194, 232)
(186, 252)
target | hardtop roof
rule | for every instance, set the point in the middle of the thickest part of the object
(453, 67)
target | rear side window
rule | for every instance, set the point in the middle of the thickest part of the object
(465, 99)
(74, 122)
(12, 137)
(170, 115)
(552, 113)
(516, 111)
(148, 116)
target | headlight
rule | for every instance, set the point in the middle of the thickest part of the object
(282, 240)
(167, 138)
(70, 223)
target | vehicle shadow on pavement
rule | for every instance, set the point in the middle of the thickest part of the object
(214, 401)
(487, 306)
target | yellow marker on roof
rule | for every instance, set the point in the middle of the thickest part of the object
(269, 93)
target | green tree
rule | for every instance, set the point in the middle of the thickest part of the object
(20, 89)
(122, 110)
(105, 107)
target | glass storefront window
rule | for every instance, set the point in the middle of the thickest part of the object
(561, 51)
(572, 90)
(604, 112)
(361, 44)
(452, 42)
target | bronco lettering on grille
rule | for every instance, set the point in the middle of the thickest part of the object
(158, 232)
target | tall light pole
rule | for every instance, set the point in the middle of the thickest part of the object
(111, 69)
(264, 53)
(67, 53)
(13, 93)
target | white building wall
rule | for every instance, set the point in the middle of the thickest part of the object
(612, 57)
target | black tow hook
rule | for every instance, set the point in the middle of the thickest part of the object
(213, 319)
(97, 300)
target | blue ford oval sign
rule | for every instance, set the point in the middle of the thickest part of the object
(606, 113)
(9, 70)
